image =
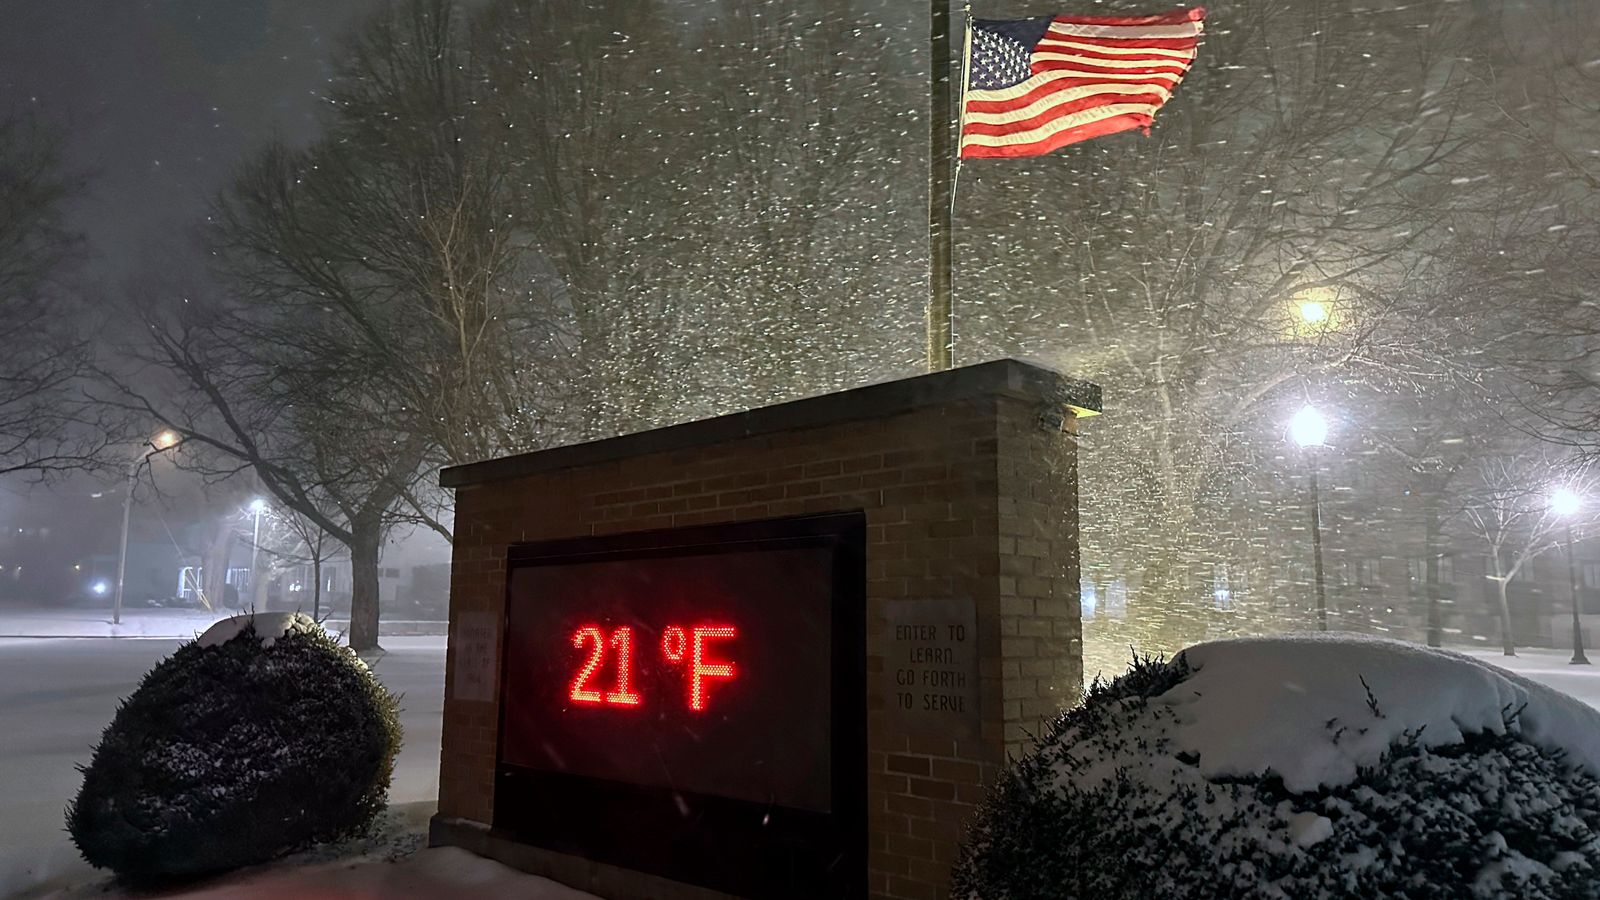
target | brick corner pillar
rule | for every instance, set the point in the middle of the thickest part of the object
(967, 484)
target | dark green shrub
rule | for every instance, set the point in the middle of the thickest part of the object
(232, 754)
(1492, 816)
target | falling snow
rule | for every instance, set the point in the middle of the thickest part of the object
(336, 249)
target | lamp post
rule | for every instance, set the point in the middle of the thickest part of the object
(1309, 429)
(257, 507)
(166, 440)
(1565, 503)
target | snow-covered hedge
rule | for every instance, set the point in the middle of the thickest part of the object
(262, 736)
(1300, 766)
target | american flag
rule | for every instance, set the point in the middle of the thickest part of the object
(1038, 84)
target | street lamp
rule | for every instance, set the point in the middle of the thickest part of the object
(257, 507)
(1312, 310)
(166, 440)
(1565, 503)
(1309, 429)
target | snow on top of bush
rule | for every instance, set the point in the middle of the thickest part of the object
(1300, 766)
(1296, 706)
(269, 626)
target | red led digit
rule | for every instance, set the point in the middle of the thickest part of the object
(674, 643)
(622, 642)
(581, 693)
(700, 669)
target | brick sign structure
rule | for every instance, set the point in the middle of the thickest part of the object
(775, 654)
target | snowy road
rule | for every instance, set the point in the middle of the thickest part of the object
(57, 695)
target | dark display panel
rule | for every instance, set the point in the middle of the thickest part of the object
(692, 703)
(707, 673)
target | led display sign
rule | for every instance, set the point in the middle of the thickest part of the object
(712, 676)
(658, 670)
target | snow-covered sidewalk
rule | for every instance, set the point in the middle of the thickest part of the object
(440, 873)
(91, 623)
(388, 865)
(153, 623)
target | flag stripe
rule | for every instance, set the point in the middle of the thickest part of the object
(1147, 104)
(1010, 113)
(1107, 50)
(1076, 85)
(1193, 14)
(1112, 125)
(1111, 64)
(1043, 81)
(1061, 123)
(1179, 44)
(1068, 29)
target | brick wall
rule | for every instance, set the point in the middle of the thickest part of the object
(972, 499)
(1041, 644)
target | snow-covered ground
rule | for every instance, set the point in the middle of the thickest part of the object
(57, 695)
(1548, 667)
(147, 622)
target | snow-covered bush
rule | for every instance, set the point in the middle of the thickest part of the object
(1300, 766)
(262, 736)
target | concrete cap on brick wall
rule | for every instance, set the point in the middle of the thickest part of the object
(1011, 377)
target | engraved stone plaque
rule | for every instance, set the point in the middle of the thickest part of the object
(932, 666)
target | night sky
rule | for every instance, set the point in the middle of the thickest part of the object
(157, 102)
(160, 100)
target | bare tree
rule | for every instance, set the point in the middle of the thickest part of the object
(1506, 503)
(565, 106)
(44, 429)
(1318, 154)
(378, 318)
(312, 548)
(386, 255)
(331, 458)
(1427, 449)
(722, 199)
(290, 540)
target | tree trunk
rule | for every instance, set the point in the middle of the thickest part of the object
(1505, 618)
(213, 584)
(258, 589)
(366, 539)
(316, 582)
(1431, 577)
(1165, 615)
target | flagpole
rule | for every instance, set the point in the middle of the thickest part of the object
(961, 127)
(941, 189)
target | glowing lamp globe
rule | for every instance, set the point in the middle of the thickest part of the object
(1308, 428)
(1313, 312)
(1564, 502)
(258, 506)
